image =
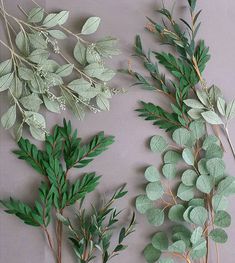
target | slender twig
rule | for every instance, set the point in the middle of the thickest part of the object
(60, 53)
(17, 55)
(229, 140)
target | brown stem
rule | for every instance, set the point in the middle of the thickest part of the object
(59, 241)
(49, 239)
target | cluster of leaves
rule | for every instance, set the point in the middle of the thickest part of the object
(33, 78)
(211, 106)
(184, 66)
(198, 201)
(64, 150)
(93, 231)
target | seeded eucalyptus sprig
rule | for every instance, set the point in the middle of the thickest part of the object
(32, 78)
(63, 151)
(190, 97)
(195, 201)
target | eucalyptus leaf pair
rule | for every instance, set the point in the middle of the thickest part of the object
(33, 78)
(63, 151)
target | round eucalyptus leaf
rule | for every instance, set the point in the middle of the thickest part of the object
(172, 157)
(214, 151)
(154, 190)
(189, 177)
(215, 166)
(227, 186)
(143, 204)
(182, 236)
(176, 212)
(209, 140)
(198, 215)
(186, 214)
(202, 166)
(177, 247)
(180, 232)
(151, 254)
(197, 254)
(169, 170)
(222, 219)
(155, 216)
(180, 228)
(205, 184)
(200, 244)
(160, 241)
(151, 174)
(181, 136)
(197, 128)
(197, 202)
(219, 203)
(196, 235)
(218, 235)
(188, 156)
(185, 192)
(158, 144)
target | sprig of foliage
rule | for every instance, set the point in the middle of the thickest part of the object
(63, 151)
(185, 67)
(93, 231)
(183, 74)
(196, 204)
(32, 78)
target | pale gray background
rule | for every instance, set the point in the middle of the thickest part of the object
(125, 160)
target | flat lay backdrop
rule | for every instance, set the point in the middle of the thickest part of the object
(125, 160)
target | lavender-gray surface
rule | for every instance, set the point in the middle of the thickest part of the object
(125, 160)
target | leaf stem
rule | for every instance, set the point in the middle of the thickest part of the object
(229, 140)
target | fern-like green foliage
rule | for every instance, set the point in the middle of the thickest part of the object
(63, 150)
(183, 65)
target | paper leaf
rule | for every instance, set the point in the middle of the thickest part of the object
(91, 25)
(158, 144)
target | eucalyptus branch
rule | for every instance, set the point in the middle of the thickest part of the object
(199, 216)
(33, 77)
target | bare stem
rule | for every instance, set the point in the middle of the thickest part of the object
(49, 239)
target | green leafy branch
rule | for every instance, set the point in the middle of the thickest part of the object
(32, 78)
(184, 75)
(196, 202)
(57, 192)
